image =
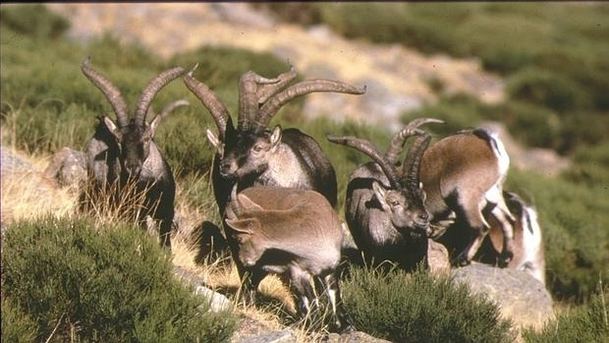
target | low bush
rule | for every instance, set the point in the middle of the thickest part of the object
(35, 20)
(420, 308)
(587, 323)
(107, 283)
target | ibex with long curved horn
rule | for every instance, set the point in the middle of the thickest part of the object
(385, 212)
(251, 154)
(125, 152)
(463, 175)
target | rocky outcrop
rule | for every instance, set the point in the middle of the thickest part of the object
(520, 297)
(353, 337)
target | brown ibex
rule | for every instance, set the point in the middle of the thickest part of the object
(252, 154)
(292, 232)
(463, 175)
(125, 152)
(528, 243)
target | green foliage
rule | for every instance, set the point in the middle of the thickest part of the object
(588, 323)
(108, 283)
(532, 124)
(34, 20)
(591, 166)
(17, 326)
(574, 223)
(420, 308)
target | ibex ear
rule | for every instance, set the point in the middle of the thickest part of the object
(243, 226)
(215, 141)
(154, 124)
(276, 136)
(112, 128)
(248, 204)
(380, 194)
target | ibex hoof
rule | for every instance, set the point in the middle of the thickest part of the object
(505, 258)
(462, 261)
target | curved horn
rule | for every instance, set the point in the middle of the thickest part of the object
(305, 87)
(398, 140)
(210, 101)
(370, 150)
(153, 87)
(412, 163)
(248, 101)
(172, 106)
(267, 91)
(112, 94)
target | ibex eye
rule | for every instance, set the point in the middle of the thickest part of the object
(257, 148)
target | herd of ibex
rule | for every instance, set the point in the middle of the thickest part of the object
(276, 189)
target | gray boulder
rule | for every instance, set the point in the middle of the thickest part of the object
(353, 337)
(217, 301)
(68, 168)
(520, 297)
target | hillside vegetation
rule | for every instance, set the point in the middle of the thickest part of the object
(557, 78)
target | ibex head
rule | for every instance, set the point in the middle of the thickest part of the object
(243, 218)
(245, 150)
(134, 135)
(404, 198)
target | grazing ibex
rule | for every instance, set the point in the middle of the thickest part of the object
(124, 152)
(251, 154)
(385, 212)
(528, 244)
(291, 232)
(463, 175)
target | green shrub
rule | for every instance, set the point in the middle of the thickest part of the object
(547, 89)
(33, 20)
(108, 283)
(590, 166)
(588, 323)
(420, 308)
(17, 326)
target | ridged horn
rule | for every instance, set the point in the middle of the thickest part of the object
(172, 106)
(367, 148)
(412, 163)
(112, 94)
(153, 87)
(397, 141)
(217, 109)
(266, 91)
(248, 101)
(270, 108)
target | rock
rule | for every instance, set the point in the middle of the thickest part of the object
(11, 162)
(283, 336)
(353, 337)
(437, 258)
(520, 297)
(68, 168)
(217, 301)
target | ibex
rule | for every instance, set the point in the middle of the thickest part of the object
(463, 176)
(528, 244)
(292, 232)
(124, 152)
(251, 154)
(385, 212)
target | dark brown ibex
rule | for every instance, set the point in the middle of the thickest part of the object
(251, 154)
(291, 232)
(385, 212)
(124, 152)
